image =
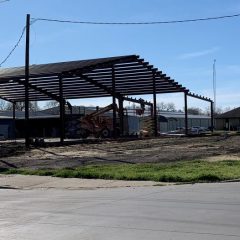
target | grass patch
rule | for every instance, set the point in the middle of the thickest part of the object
(195, 171)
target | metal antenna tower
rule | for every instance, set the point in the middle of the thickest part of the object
(214, 85)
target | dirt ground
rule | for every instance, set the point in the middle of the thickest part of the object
(164, 149)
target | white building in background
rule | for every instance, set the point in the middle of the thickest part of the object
(170, 121)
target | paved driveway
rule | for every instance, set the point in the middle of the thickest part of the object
(201, 211)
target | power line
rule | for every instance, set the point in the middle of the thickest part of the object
(112, 23)
(17, 44)
(138, 23)
(14, 47)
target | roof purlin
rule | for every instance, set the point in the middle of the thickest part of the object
(97, 84)
(132, 76)
(49, 94)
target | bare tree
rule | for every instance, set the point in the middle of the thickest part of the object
(227, 109)
(220, 110)
(170, 107)
(161, 106)
(20, 106)
(195, 111)
(207, 111)
(2, 105)
(51, 104)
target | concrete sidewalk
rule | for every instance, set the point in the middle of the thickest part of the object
(36, 182)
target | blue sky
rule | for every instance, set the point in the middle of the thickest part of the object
(185, 52)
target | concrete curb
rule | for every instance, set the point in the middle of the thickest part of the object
(46, 182)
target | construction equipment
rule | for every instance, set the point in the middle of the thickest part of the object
(96, 123)
(100, 124)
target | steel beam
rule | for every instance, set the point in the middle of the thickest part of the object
(108, 64)
(97, 84)
(158, 91)
(6, 99)
(137, 101)
(78, 88)
(45, 92)
(199, 97)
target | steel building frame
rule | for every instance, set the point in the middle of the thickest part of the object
(116, 77)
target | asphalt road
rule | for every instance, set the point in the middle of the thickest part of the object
(201, 211)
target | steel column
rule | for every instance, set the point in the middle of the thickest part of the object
(155, 106)
(14, 118)
(27, 132)
(121, 116)
(114, 103)
(212, 123)
(62, 110)
(151, 110)
(186, 112)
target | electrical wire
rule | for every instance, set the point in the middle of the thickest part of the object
(33, 20)
(138, 23)
(14, 47)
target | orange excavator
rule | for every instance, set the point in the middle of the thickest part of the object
(96, 123)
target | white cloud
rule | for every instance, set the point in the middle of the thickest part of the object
(198, 53)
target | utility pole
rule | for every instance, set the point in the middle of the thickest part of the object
(27, 135)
